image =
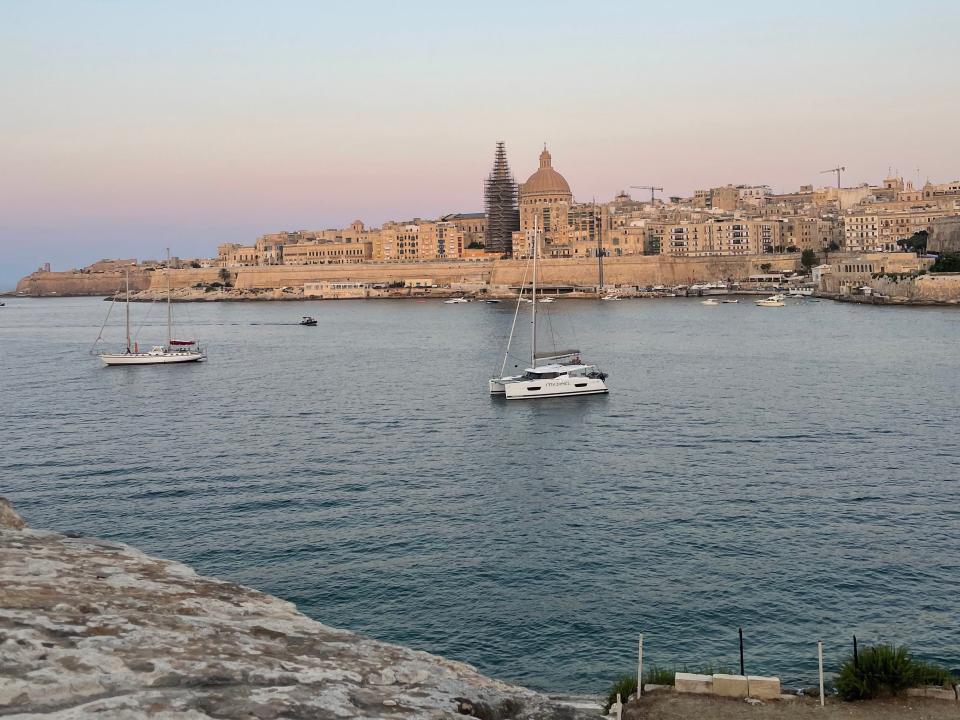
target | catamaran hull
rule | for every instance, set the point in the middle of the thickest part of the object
(559, 387)
(149, 359)
(498, 386)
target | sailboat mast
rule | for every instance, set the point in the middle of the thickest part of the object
(516, 314)
(533, 308)
(169, 315)
(128, 309)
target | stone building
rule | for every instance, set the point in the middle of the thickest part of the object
(870, 230)
(546, 197)
(725, 198)
(472, 225)
(809, 233)
(731, 236)
(236, 255)
(585, 232)
(943, 190)
(326, 253)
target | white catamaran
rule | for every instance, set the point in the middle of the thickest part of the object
(175, 351)
(559, 373)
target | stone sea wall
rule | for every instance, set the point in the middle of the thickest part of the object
(74, 282)
(632, 270)
(929, 289)
(96, 629)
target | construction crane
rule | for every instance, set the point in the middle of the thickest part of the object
(836, 170)
(652, 188)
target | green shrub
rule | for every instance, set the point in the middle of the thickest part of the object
(947, 262)
(886, 670)
(658, 675)
(625, 686)
(930, 674)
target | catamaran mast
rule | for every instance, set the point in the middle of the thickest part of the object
(127, 304)
(516, 314)
(169, 316)
(533, 309)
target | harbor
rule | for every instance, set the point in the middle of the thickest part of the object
(761, 484)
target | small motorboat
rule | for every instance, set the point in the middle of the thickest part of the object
(309, 321)
(455, 301)
(546, 300)
(729, 302)
(772, 301)
(709, 302)
(610, 297)
(492, 301)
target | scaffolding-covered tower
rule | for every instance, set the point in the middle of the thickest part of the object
(500, 200)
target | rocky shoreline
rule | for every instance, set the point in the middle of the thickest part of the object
(90, 628)
(887, 300)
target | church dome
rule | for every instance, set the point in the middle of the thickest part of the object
(546, 180)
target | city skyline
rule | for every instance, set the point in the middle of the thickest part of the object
(134, 128)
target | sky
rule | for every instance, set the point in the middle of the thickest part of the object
(127, 127)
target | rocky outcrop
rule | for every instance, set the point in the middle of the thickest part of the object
(95, 629)
(9, 517)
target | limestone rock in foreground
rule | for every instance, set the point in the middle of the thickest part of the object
(9, 517)
(93, 629)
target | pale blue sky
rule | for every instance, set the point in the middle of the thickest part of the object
(130, 126)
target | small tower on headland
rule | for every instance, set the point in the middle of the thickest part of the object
(500, 201)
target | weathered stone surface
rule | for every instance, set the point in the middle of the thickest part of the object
(734, 686)
(765, 688)
(92, 629)
(938, 693)
(693, 683)
(9, 517)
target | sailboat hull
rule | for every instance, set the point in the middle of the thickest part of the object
(557, 387)
(152, 358)
(498, 386)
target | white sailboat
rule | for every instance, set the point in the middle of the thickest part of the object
(559, 373)
(175, 351)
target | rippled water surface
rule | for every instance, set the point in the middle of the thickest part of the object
(795, 471)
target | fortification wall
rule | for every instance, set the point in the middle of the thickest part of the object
(278, 276)
(945, 235)
(940, 287)
(637, 270)
(920, 290)
(646, 270)
(44, 284)
(634, 270)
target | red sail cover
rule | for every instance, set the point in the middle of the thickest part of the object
(183, 342)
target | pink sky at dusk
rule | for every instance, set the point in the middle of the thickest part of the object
(128, 127)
